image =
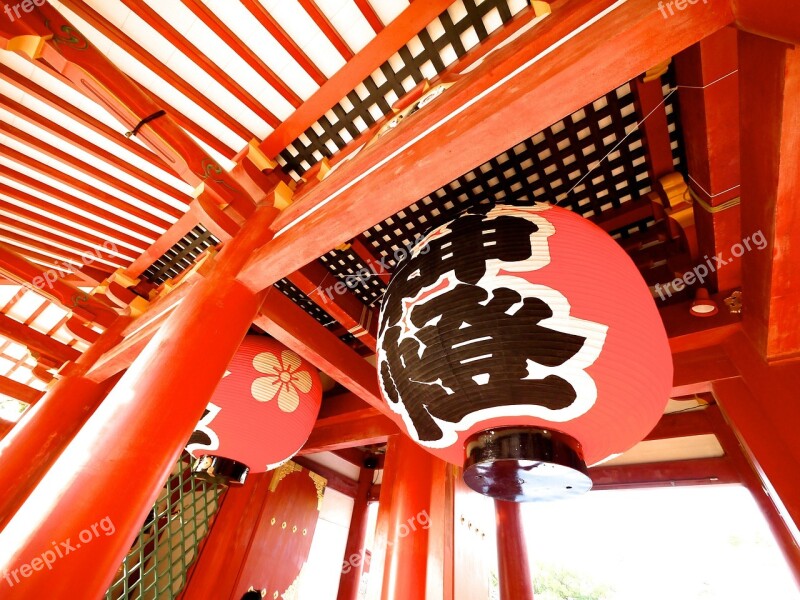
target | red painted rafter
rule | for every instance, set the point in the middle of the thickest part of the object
(157, 22)
(18, 391)
(246, 53)
(109, 233)
(61, 243)
(370, 15)
(280, 35)
(56, 154)
(700, 471)
(68, 136)
(77, 184)
(56, 102)
(35, 341)
(100, 23)
(387, 176)
(334, 37)
(55, 254)
(359, 67)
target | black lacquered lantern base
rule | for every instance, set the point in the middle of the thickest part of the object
(525, 464)
(218, 469)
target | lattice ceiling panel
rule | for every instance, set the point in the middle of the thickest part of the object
(565, 163)
(461, 27)
(181, 256)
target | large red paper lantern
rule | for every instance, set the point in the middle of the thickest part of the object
(523, 343)
(261, 413)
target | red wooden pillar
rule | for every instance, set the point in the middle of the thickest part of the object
(47, 427)
(403, 522)
(356, 539)
(512, 553)
(113, 469)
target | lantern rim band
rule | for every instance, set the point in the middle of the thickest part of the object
(525, 464)
(218, 469)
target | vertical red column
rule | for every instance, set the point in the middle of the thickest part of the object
(512, 553)
(350, 580)
(401, 536)
(44, 431)
(113, 469)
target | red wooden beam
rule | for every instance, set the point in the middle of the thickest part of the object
(97, 76)
(396, 35)
(677, 425)
(109, 233)
(96, 20)
(370, 15)
(164, 28)
(276, 31)
(56, 227)
(75, 183)
(341, 304)
(24, 272)
(98, 174)
(335, 38)
(243, 50)
(19, 391)
(650, 102)
(56, 102)
(81, 142)
(481, 115)
(709, 104)
(37, 343)
(696, 370)
(336, 481)
(699, 471)
(770, 127)
(360, 427)
(768, 18)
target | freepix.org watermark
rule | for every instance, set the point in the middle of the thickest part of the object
(26, 6)
(49, 277)
(60, 550)
(678, 4)
(380, 268)
(698, 274)
(422, 519)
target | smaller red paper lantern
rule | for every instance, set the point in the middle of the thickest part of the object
(261, 413)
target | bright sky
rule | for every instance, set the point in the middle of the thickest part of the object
(684, 543)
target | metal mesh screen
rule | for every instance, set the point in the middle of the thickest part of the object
(160, 557)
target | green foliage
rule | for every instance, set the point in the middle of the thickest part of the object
(551, 582)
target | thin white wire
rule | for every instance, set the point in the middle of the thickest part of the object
(659, 105)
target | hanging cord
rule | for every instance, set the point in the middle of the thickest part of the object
(145, 121)
(636, 127)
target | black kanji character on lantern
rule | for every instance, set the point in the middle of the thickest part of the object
(456, 252)
(465, 325)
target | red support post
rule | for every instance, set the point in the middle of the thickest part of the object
(355, 548)
(46, 428)
(512, 553)
(115, 466)
(401, 536)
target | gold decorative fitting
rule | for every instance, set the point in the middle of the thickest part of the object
(714, 209)
(138, 306)
(283, 525)
(281, 472)
(272, 521)
(258, 158)
(319, 482)
(31, 46)
(540, 8)
(343, 247)
(282, 196)
(121, 277)
(294, 529)
(656, 71)
(734, 302)
(305, 531)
